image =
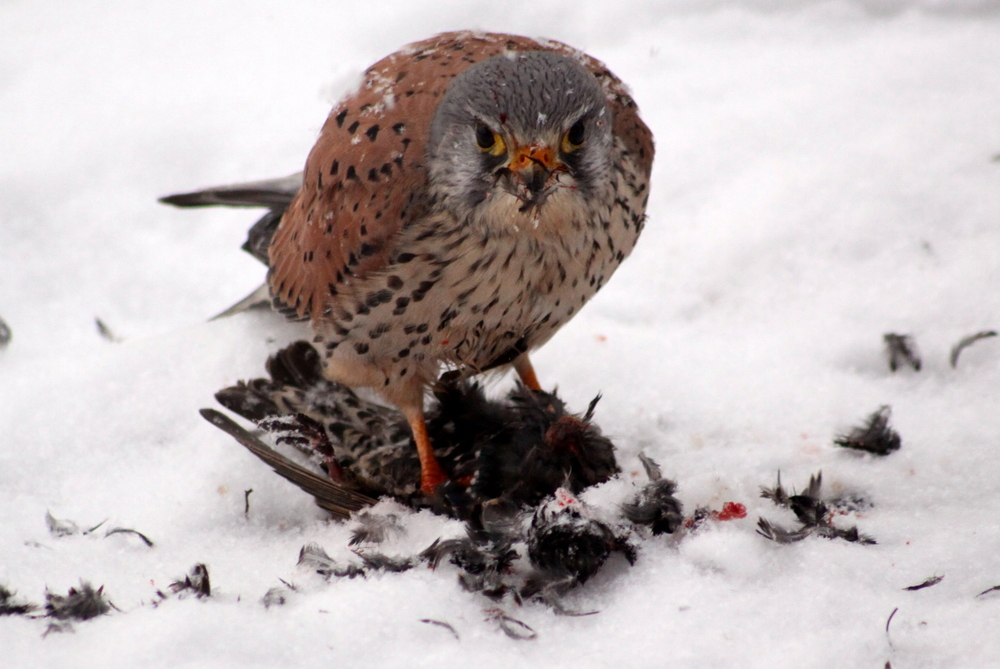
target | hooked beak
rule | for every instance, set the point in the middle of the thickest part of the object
(533, 166)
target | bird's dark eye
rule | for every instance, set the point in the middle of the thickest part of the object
(485, 137)
(489, 141)
(573, 139)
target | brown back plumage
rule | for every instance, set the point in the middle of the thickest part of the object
(365, 178)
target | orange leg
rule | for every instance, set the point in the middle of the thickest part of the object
(527, 373)
(431, 474)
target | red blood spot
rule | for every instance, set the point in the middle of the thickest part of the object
(445, 342)
(731, 511)
(563, 498)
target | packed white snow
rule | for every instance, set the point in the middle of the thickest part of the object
(826, 173)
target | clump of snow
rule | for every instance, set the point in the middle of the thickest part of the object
(826, 173)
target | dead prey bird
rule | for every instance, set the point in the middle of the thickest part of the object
(521, 449)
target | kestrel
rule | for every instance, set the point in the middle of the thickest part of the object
(462, 204)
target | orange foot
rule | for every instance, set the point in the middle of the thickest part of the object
(431, 477)
(431, 474)
(527, 373)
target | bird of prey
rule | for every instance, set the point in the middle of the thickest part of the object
(459, 206)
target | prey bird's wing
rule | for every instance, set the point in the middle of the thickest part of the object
(330, 495)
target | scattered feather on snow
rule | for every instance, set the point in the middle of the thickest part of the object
(81, 603)
(965, 342)
(874, 436)
(901, 349)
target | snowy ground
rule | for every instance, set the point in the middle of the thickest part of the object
(826, 173)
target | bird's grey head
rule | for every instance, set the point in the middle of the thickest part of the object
(521, 136)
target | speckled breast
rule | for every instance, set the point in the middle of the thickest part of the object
(474, 298)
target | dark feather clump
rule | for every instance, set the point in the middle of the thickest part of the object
(312, 556)
(548, 448)
(10, 606)
(655, 506)
(81, 603)
(569, 547)
(485, 555)
(196, 583)
(374, 529)
(813, 514)
(901, 349)
(875, 436)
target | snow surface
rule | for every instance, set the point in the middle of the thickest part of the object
(826, 173)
